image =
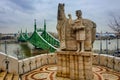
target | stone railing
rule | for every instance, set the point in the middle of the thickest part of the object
(35, 62)
(13, 65)
(28, 64)
(107, 61)
(8, 63)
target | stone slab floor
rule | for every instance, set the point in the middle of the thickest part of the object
(48, 72)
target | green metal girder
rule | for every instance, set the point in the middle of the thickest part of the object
(50, 39)
(45, 40)
(21, 38)
(38, 41)
(26, 36)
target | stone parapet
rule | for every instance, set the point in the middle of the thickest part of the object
(35, 62)
(25, 65)
(107, 61)
(8, 63)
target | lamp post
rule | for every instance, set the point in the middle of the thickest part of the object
(101, 42)
(117, 43)
(100, 45)
(6, 47)
(6, 60)
(17, 52)
(23, 64)
(106, 42)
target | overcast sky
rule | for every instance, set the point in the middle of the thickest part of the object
(20, 14)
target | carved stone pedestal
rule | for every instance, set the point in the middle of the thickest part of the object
(76, 66)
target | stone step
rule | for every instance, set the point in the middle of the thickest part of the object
(16, 77)
(2, 75)
(9, 76)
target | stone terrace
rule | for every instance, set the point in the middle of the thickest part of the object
(104, 66)
(48, 72)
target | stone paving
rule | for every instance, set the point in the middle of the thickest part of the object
(48, 72)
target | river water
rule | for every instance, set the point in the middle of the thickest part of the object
(25, 49)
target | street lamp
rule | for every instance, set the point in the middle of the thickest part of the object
(106, 42)
(6, 47)
(117, 43)
(101, 42)
(17, 52)
(6, 60)
(100, 45)
(23, 64)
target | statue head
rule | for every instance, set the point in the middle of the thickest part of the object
(61, 5)
(61, 14)
(79, 14)
(69, 15)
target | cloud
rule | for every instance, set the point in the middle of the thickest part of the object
(25, 5)
(17, 14)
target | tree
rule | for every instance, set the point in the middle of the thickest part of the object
(114, 24)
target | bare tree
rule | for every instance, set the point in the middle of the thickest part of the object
(114, 24)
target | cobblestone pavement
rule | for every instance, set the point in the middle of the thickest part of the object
(48, 72)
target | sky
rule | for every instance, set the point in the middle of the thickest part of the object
(20, 14)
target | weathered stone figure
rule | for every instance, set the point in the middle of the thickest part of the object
(79, 29)
(66, 35)
(61, 25)
(70, 19)
(75, 35)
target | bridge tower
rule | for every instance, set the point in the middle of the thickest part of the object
(26, 31)
(35, 25)
(44, 25)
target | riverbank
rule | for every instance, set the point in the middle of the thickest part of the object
(28, 50)
(8, 41)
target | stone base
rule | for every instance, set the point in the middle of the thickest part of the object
(73, 65)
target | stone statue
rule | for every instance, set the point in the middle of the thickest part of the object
(75, 35)
(79, 30)
(61, 25)
(70, 18)
(72, 38)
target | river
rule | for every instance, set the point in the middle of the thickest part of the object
(25, 49)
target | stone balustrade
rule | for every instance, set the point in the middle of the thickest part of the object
(28, 64)
(8, 63)
(35, 62)
(107, 61)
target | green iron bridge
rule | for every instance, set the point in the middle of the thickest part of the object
(42, 40)
(23, 37)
